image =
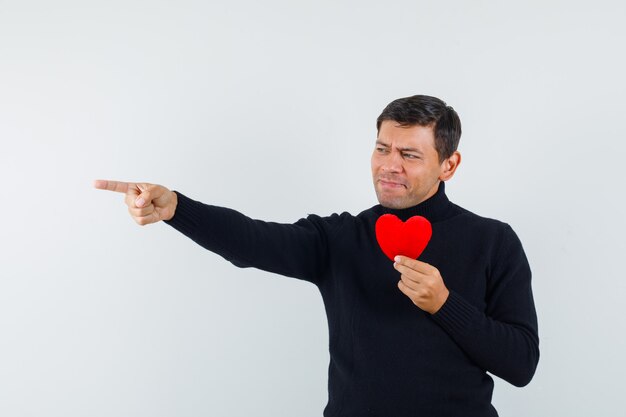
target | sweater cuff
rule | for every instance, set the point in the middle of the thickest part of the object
(187, 216)
(455, 315)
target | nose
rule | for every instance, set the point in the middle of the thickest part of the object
(392, 162)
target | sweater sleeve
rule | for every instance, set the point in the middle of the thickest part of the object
(504, 339)
(297, 250)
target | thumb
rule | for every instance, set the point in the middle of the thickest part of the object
(148, 193)
(143, 197)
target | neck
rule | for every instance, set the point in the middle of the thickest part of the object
(434, 208)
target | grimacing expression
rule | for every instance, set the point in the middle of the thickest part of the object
(405, 165)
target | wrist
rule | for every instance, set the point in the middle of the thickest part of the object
(174, 204)
(442, 300)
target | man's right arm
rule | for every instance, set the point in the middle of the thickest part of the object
(298, 250)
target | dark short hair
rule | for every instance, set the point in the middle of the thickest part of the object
(426, 111)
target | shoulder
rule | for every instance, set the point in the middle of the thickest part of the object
(497, 240)
(466, 216)
(498, 232)
(332, 219)
(328, 224)
(345, 221)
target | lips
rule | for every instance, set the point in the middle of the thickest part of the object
(388, 183)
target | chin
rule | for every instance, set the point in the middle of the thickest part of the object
(394, 203)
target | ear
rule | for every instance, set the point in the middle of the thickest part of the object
(449, 166)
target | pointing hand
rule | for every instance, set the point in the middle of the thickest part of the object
(147, 203)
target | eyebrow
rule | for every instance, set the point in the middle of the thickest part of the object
(379, 142)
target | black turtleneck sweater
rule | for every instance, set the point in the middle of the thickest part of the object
(389, 358)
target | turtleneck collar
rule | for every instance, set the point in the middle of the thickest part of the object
(434, 208)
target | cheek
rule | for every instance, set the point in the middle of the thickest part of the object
(374, 163)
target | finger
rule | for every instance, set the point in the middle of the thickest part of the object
(131, 198)
(409, 282)
(414, 264)
(141, 194)
(149, 192)
(407, 271)
(405, 260)
(414, 274)
(406, 290)
(151, 218)
(142, 211)
(117, 186)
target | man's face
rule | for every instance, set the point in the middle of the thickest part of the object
(405, 165)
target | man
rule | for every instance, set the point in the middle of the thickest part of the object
(409, 338)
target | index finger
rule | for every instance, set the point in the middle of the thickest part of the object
(412, 263)
(117, 186)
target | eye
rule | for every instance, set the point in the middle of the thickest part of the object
(379, 149)
(410, 156)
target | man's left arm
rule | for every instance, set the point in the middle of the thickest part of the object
(503, 339)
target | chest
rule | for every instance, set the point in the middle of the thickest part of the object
(365, 270)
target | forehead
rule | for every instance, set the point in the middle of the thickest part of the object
(393, 134)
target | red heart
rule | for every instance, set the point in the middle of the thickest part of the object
(403, 238)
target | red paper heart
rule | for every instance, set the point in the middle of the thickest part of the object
(403, 238)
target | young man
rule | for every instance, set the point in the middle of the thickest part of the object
(408, 338)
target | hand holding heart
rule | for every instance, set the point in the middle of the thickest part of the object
(403, 242)
(422, 283)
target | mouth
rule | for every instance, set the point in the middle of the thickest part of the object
(391, 184)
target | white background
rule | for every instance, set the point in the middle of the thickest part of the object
(269, 108)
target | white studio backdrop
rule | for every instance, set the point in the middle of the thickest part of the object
(269, 108)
